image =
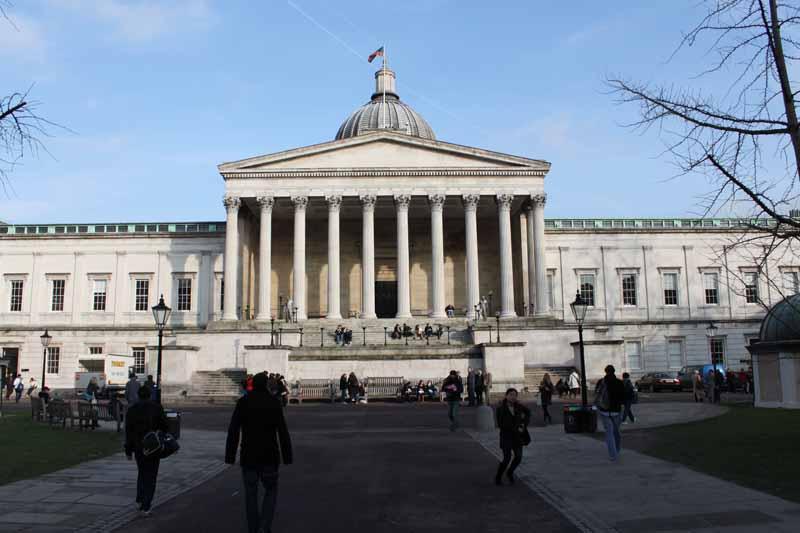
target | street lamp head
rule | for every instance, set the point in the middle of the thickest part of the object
(711, 330)
(46, 338)
(497, 315)
(579, 307)
(161, 313)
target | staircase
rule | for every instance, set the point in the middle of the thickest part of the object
(534, 375)
(217, 383)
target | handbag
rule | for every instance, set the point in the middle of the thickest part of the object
(159, 444)
(525, 436)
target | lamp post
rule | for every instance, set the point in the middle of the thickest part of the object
(321, 337)
(711, 332)
(490, 334)
(385, 341)
(160, 314)
(294, 315)
(280, 336)
(448, 334)
(364, 330)
(491, 305)
(46, 338)
(272, 331)
(497, 317)
(301, 337)
(579, 307)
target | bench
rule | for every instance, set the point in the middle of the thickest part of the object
(58, 412)
(383, 387)
(312, 389)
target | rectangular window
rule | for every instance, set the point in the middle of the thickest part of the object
(675, 353)
(711, 287)
(16, 294)
(551, 293)
(718, 351)
(587, 288)
(633, 354)
(142, 294)
(791, 282)
(751, 287)
(185, 294)
(629, 289)
(53, 359)
(95, 350)
(138, 360)
(670, 281)
(99, 295)
(57, 300)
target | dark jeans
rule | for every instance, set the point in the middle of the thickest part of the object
(146, 481)
(627, 413)
(546, 413)
(471, 397)
(18, 395)
(267, 475)
(452, 413)
(479, 396)
(507, 459)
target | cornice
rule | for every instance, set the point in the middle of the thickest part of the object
(384, 173)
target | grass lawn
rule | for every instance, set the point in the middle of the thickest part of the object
(30, 449)
(757, 448)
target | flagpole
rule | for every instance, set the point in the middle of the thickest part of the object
(384, 87)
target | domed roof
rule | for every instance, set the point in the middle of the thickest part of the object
(385, 111)
(782, 322)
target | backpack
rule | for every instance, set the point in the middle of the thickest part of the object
(601, 400)
(159, 445)
(20, 386)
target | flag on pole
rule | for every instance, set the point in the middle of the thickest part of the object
(376, 53)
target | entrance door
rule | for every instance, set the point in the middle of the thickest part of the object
(386, 299)
(10, 356)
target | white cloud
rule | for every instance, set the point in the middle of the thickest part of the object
(22, 39)
(141, 21)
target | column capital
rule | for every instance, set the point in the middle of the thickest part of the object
(231, 203)
(402, 201)
(299, 202)
(436, 201)
(266, 203)
(471, 201)
(334, 202)
(368, 201)
(504, 200)
(538, 200)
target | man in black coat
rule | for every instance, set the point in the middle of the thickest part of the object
(258, 417)
(143, 417)
(453, 388)
(609, 397)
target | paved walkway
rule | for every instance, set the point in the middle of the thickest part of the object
(97, 496)
(640, 493)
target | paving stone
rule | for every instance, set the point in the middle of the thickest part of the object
(14, 517)
(107, 499)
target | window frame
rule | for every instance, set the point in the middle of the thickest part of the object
(705, 274)
(593, 273)
(179, 303)
(669, 342)
(52, 281)
(93, 279)
(49, 363)
(630, 341)
(677, 276)
(551, 287)
(752, 293)
(135, 279)
(723, 340)
(11, 281)
(136, 366)
(623, 274)
(794, 272)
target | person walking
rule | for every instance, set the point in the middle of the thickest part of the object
(479, 387)
(32, 386)
(258, 418)
(453, 387)
(697, 387)
(609, 397)
(132, 389)
(343, 387)
(574, 383)
(143, 417)
(18, 388)
(629, 397)
(512, 420)
(546, 389)
(352, 387)
(470, 387)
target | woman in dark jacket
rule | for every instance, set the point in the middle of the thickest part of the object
(343, 387)
(512, 419)
(546, 390)
(352, 386)
(143, 417)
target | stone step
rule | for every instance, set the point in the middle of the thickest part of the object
(534, 375)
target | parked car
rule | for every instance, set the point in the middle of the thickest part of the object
(686, 374)
(656, 381)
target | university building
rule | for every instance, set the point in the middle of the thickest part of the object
(384, 225)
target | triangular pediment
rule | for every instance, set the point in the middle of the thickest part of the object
(383, 150)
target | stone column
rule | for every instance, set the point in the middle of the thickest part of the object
(334, 308)
(542, 302)
(401, 202)
(299, 256)
(471, 202)
(231, 260)
(368, 256)
(532, 290)
(266, 203)
(437, 256)
(506, 263)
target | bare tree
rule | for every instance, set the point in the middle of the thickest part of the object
(21, 128)
(745, 139)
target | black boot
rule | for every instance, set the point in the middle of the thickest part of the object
(510, 476)
(498, 478)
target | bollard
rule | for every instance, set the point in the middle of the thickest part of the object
(485, 419)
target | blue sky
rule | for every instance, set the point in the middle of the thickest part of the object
(157, 93)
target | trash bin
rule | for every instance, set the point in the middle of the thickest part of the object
(579, 420)
(173, 422)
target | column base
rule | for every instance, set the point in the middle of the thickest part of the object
(226, 316)
(264, 317)
(368, 316)
(437, 315)
(335, 316)
(508, 314)
(542, 314)
(404, 315)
